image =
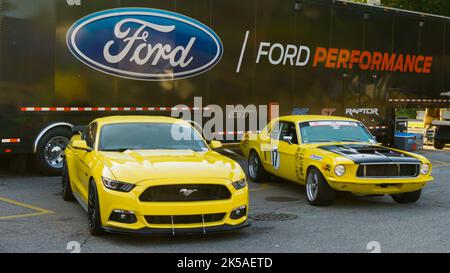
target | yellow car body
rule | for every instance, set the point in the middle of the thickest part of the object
(162, 191)
(293, 161)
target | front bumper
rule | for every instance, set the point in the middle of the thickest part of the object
(146, 231)
(379, 186)
(113, 200)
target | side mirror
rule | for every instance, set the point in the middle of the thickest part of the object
(288, 139)
(215, 144)
(81, 145)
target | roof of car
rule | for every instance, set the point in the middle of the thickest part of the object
(306, 118)
(136, 119)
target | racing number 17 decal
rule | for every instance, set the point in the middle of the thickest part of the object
(275, 157)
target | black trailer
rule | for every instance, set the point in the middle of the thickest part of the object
(66, 62)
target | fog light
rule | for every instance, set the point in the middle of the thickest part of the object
(238, 212)
(123, 216)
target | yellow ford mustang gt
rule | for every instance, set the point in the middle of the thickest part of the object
(329, 154)
(153, 175)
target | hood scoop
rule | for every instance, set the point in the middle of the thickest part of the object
(369, 150)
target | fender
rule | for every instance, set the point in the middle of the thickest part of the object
(48, 128)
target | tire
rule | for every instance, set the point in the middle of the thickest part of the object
(67, 193)
(407, 197)
(438, 145)
(94, 216)
(256, 170)
(50, 150)
(318, 191)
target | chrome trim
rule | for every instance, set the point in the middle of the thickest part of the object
(46, 129)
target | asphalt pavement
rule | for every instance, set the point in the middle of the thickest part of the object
(34, 218)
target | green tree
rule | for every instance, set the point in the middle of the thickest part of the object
(440, 7)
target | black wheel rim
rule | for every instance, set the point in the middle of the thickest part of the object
(91, 208)
(64, 179)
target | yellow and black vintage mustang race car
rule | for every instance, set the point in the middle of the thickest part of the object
(329, 154)
(152, 175)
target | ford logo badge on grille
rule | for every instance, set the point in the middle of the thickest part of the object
(144, 44)
(187, 192)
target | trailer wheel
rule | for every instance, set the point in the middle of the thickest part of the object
(438, 145)
(49, 157)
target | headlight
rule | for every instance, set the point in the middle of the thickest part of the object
(116, 185)
(240, 184)
(339, 170)
(424, 168)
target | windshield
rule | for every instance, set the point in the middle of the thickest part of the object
(150, 136)
(334, 131)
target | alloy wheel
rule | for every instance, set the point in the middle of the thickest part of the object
(312, 185)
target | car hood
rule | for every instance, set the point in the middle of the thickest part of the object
(361, 153)
(139, 165)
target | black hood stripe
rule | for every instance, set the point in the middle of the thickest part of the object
(369, 154)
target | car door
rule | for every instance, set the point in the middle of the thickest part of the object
(84, 161)
(287, 149)
(269, 147)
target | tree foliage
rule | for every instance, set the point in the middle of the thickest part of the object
(440, 7)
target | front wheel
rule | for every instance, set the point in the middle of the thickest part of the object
(407, 197)
(318, 192)
(66, 187)
(94, 217)
(256, 169)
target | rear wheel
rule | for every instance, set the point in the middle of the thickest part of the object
(439, 145)
(65, 181)
(318, 192)
(256, 170)
(49, 158)
(94, 217)
(407, 197)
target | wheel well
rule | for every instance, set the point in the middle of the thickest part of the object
(312, 167)
(48, 129)
(254, 150)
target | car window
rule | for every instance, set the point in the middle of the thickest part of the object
(339, 131)
(288, 130)
(150, 136)
(90, 135)
(275, 131)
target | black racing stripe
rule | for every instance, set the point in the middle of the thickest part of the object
(369, 153)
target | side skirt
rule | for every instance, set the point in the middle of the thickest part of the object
(80, 201)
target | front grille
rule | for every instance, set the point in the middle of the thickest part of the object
(388, 170)
(184, 219)
(185, 193)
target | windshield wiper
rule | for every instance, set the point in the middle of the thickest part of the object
(350, 140)
(320, 140)
(121, 150)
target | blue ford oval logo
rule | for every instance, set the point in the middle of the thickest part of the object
(144, 44)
